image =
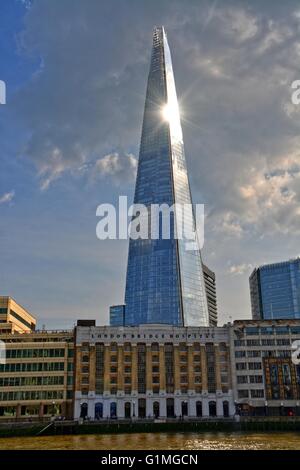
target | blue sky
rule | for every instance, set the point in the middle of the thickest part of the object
(76, 76)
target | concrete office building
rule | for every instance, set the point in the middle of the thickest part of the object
(14, 318)
(265, 376)
(152, 371)
(36, 380)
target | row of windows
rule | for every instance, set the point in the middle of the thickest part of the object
(30, 381)
(271, 330)
(35, 367)
(251, 365)
(263, 342)
(258, 393)
(269, 353)
(252, 379)
(35, 395)
(22, 320)
(25, 353)
(155, 358)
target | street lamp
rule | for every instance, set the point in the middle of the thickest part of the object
(266, 408)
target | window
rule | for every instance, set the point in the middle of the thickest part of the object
(252, 330)
(259, 393)
(266, 330)
(256, 379)
(282, 330)
(242, 379)
(254, 365)
(283, 342)
(239, 342)
(254, 353)
(253, 342)
(240, 353)
(268, 342)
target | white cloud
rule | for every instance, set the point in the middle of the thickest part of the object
(239, 269)
(229, 225)
(7, 197)
(122, 168)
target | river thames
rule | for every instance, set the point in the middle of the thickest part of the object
(157, 441)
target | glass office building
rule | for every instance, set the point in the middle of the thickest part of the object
(275, 290)
(165, 282)
(117, 315)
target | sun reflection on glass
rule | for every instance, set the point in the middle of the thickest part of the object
(170, 111)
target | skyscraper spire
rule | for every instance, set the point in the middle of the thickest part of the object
(165, 282)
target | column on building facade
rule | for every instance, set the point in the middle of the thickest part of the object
(78, 370)
(18, 410)
(134, 368)
(162, 368)
(176, 369)
(92, 375)
(106, 378)
(203, 368)
(205, 407)
(120, 368)
(41, 410)
(191, 374)
(64, 410)
(218, 368)
(192, 407)
(148, 368)
(220, 411)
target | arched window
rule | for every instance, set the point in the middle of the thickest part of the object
(127, 409)
(98, 410)
(142, 408)
(199, 409)
(225, 409)
(83, 410)
(156, 409)
(113, 410)
(184, 408)
(170, 408)
(212, 408)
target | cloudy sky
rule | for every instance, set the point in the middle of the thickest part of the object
(76, 76)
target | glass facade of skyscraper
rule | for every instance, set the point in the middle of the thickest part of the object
(117, 315)
(275, 290)
(165, 281)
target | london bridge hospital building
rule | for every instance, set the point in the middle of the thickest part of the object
(152, 371)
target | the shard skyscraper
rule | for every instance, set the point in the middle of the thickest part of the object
(165, 282)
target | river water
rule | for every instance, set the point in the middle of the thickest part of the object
(158, 441)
